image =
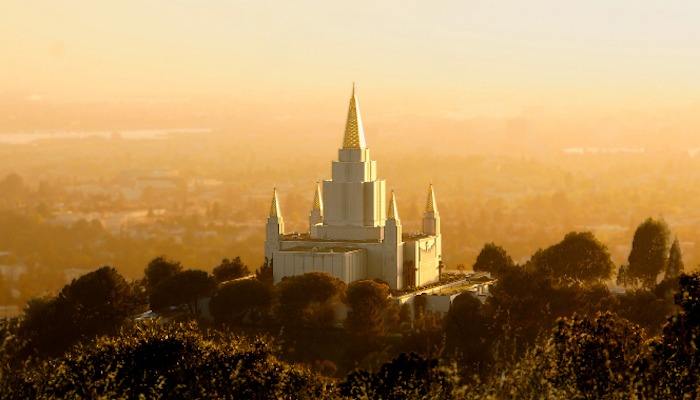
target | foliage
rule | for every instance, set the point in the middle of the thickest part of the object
(160, 269)
(264, 274)
(151, 360)
(649, 254)
(596, 356)
(371, 308)
(407, 376)
(467, 331)
(644, 308)
(306, 301)
(580, 257)
(675, 360)
(230, 269)
(675, 266)
(493, 259)
(94, 304)
(239, 301)
(186, 287)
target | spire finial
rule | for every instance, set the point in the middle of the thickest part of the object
(354, 134)
(393, 212)
(275, 206)
(431, 206)
(318, 199)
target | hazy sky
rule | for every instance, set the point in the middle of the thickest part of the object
(482, 57)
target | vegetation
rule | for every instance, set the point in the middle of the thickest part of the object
(649, 254)
(549, 329)
(230, 269)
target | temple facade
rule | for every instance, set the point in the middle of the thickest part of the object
(354, 232)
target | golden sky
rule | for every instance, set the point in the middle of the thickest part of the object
(458, 59)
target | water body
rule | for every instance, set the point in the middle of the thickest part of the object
(141, 134)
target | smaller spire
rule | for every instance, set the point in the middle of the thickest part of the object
(393, 212)
(431, 206)
(275, 207)
(318, 200)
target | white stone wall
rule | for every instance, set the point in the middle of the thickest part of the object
(347, 266)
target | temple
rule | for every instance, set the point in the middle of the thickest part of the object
(353, 233)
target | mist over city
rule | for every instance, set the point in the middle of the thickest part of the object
(469, 200)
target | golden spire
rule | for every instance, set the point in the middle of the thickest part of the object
(431, 206)
(354, 134)
(393, 212)
(275, 207)
(318, 200)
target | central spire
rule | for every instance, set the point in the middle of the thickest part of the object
(354, 134)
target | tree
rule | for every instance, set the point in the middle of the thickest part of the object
(580, 257)
(644, 308)
(237, 301)
(306, 301)
(230, 269)
(160, 269)
(187, 287)
(94, 304)
(467, 330)
(101, 300)
(169, 361)
(674, 356)
(264, 273)
(409, 376)
(370, 303)
(675, 266)
(493, 259)
(595, 357)
(649, 254)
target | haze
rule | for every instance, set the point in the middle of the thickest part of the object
(533, 119)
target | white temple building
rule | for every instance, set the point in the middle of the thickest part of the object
(353, 233)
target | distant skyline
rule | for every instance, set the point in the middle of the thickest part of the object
(452, 59)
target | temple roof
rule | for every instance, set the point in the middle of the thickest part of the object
(354, 134)
(275, 207)
(393, 212)
(431, 206)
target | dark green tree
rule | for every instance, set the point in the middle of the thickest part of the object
(160, 269)
(307, 301)
(675, 361)
(493, 259)
(264, 274)
(409, 376)
(467, 331)
(239, 301)
(94, 304)
(595, 357)
(675, 266)
(168, 361)
(230, 269)
(580, 257)
(100, 300)
(649, 254)
(370, 308)
(187, 287)
(644, 308)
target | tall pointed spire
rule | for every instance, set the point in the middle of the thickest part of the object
(354, 134)
(275, 207)
(393, 212)
(318, 200)
(431, 206)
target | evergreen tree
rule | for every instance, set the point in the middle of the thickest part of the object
(649, 254)
(675, 261)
